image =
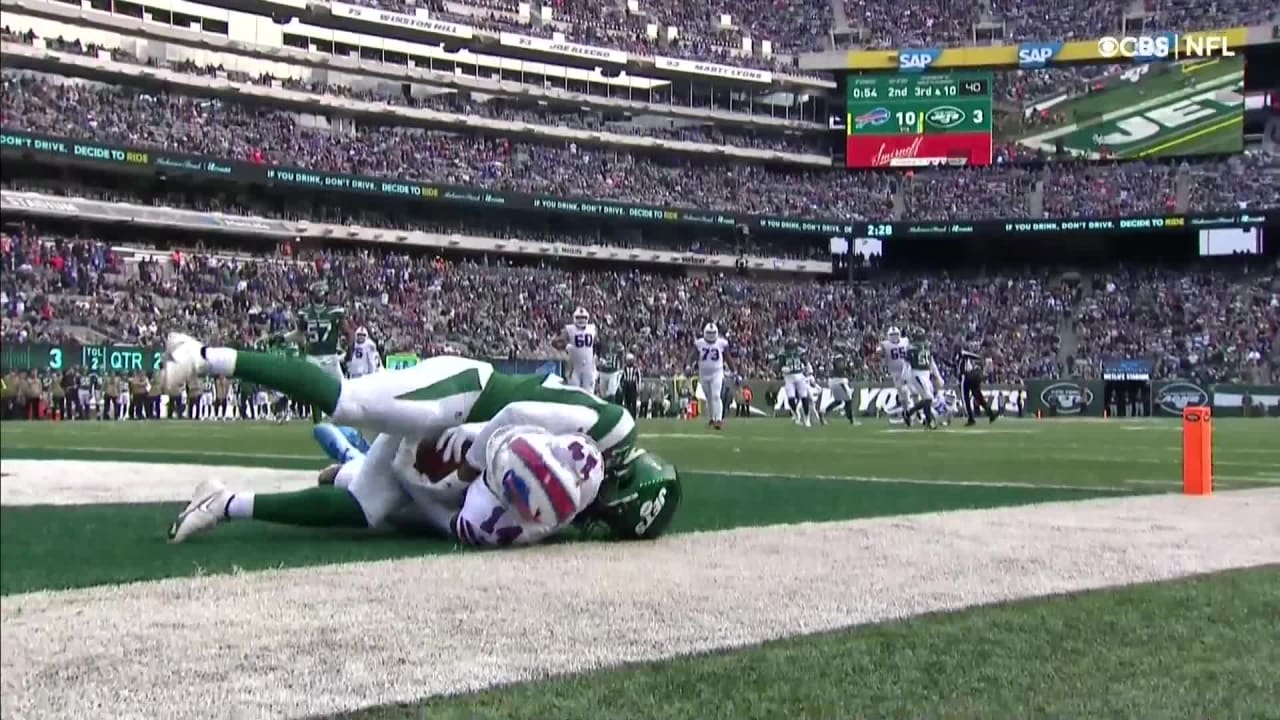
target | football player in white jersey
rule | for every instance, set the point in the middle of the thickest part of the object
(893, 351)
(711, 349)
(580, 340)
(815, 396)
(363, 357)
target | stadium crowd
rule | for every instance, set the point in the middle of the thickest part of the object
(229, 130)
(1207, 322)
(805, 25)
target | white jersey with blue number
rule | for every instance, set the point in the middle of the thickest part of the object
(711, 356)
(895, 357)
(581, 344)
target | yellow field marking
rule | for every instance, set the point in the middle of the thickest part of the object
(1203, 131)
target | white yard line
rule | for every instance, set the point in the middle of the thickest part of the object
(328, 639)
(84, 482)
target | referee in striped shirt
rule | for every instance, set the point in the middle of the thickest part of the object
(631, 385)
(968, 366)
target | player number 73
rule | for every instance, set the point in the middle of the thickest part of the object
(650, 510)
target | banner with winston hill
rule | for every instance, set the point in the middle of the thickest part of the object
(152, 160)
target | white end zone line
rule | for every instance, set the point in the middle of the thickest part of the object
(88, 482)
(917, 481)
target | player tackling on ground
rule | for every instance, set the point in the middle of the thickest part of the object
(421, 402)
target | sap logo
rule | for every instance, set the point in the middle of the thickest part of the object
(945, 116)
(879, 116)
(1037, 55)
(917, 60)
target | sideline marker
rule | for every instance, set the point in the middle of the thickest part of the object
(1197, 451)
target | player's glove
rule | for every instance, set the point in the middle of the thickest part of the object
(453, 443)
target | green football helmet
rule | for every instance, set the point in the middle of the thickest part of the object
(319, 291)
(640, 499)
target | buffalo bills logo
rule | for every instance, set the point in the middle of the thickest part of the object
(874, 118)
(516, 493)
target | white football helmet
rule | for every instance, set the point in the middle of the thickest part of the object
(711, 332)
(361, 334)
(524, 473)
(581, 317)
(895, 334)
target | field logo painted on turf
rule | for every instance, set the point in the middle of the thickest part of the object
(1187, 112)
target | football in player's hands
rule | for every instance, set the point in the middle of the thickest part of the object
(560, 343)
(433, 463)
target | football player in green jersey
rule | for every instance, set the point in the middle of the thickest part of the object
(610, 378)
(420, 402)
(795, 382)
(321, 329)
(924, 372)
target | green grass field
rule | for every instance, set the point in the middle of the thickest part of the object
(1191, 649)
(1185, 109)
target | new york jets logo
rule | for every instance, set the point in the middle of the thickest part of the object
(945, 116)
(1069, 398)
(1172, 398)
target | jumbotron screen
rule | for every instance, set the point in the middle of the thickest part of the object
(1095, 112)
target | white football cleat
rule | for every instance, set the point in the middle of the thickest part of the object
(182, 361)
(206, 510)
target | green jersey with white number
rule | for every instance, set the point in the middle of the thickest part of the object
(920, 357)
(793, 362)
(323, 327)
(610, 362)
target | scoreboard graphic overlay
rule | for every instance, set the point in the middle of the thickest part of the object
(918, 120)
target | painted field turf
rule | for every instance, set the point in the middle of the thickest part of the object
(1200, 648)
(759, 472)
(1215, 129)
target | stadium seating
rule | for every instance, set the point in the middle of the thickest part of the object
(1210, 321)
(227, 129)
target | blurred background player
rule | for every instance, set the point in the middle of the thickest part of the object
(321, 327)
(970, 366)
(815, 394)
(841, 390)
(893, 352)
(363, 357)
(611, 373)
(631, 380)
(923, 373)
(711, 348)
(795, 381)
(579, 339)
